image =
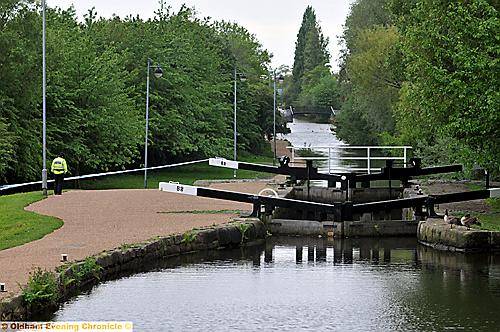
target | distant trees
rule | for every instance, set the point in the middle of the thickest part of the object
(423, 73)
(311, 57)
(96, 89)
(369, 76)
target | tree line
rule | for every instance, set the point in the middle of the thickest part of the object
(423, 73)
(96, 86)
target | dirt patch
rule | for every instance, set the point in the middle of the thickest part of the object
(441, 187)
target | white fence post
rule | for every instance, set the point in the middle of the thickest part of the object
(329, 160)
(404, 155)
(368, 159)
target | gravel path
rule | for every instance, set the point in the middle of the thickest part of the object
(98, 220)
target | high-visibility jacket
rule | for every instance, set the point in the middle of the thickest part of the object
(59, 166)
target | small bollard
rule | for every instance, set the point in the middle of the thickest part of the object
(64, 257)
(2, 287)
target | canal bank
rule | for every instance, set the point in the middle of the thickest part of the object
(100, 220)
(73, 278)
(434, 232)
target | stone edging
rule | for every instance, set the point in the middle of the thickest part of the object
(435, 233)
(127, 259)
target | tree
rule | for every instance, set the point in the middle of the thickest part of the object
(452, 92)
(20, 63)
(96, 89)
(370, 74)
(311, 51)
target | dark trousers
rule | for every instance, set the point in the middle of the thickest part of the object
(58, 183)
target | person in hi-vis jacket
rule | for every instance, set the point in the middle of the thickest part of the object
(59, 168)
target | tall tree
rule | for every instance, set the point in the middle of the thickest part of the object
(311, 51)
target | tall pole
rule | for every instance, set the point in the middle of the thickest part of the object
(274, 116)
(235, 128)
(44, 107)
(147, 128)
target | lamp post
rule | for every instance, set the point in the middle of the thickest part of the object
(280, 79)
(158, 72)
(44, 107)
(243, 78)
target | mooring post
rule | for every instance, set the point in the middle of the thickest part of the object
(256, 207)
(487, 179)
(429, 204)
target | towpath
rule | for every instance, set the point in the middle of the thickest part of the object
(99, 220)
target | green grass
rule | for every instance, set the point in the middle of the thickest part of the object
(18, 226)
(491, 221)
(184, 174)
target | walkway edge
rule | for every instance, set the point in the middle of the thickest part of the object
(112, 263)
(435, 233)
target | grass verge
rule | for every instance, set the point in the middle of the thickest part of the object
(184, 174)
(18, 226)
(491, 221)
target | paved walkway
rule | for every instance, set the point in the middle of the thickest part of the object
(98, 220)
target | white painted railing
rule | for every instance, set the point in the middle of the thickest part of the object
(334, 155)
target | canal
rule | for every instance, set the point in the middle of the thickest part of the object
(308, 284)
(314, 136)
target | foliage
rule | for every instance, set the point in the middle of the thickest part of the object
(320, 89)
(18, 226)
(189, 237)
(243, 228)
(42, 288)
(96, 75)
(6, 148)
(369, 77)
(310, 52)
(423, 73)
(452, 91)
(89, 268)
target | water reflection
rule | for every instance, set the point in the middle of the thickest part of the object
(305, 284)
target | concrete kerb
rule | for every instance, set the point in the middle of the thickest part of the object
(435, 233)
(241, 232)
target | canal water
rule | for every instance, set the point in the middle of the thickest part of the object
(293, 284)
(305, 284)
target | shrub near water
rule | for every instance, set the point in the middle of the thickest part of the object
(42, 288)
(80, 272)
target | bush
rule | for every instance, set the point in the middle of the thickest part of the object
(42, 288)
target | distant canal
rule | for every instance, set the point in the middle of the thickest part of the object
(295, 284)
(307, 133)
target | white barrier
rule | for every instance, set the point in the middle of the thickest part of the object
(19, 185)
(175, 187)
(222, 162)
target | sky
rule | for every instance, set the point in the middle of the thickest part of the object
(275, 23)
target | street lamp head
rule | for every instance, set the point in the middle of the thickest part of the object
(281, 79)
(243, 77)
(158, 72)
